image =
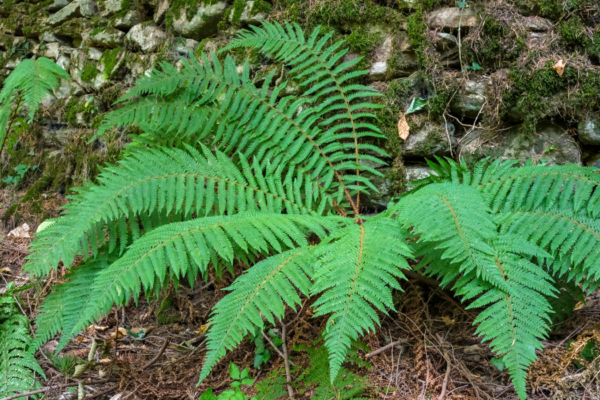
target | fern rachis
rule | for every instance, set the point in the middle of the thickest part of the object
(244, 173)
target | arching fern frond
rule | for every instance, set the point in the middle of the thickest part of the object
(34, 80)
(459, 241)
(263, 292)
(57, 313)
(358, 268)
(187, 248)
(167, 181)
(17, 363)
(318, 67)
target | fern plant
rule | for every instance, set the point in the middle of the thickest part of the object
(227, 173)
(18, 367)
(26, 86)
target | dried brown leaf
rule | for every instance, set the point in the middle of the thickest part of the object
(403, 128)
(559, 67)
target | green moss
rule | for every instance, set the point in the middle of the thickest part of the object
(109, 60)
(238, 8)
(439, 101)
(416, 28)
(90, 72)
(573, 32)
(539, 93)
(190, 6)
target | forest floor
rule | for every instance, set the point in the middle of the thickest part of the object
(428, 349)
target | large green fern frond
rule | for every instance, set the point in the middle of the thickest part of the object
(459, 241)
(554, 206)
(171, 181)
(18, 367)
(34, 79)
(358, 268)
(263, 292)
(58, 314)
(318, 66)
(186, 248)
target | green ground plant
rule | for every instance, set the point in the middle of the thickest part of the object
(18, 367)
(227, 174)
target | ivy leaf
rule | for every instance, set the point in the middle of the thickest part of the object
(498, 363)
(462, 4)
(476, 66)
(416, 105)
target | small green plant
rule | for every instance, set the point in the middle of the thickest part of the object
(19, 172)
(65, 364)
(26, 86)
(18, 367)
(239, 379)
(262, 346)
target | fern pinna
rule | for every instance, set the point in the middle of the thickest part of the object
(226, 170)
(18, 367)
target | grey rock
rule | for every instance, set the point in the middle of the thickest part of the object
(78, 8)
(57, 5)
(13, 62)
(52, 51)
(129, 20)
(537, 24)
(186, 47)
(64, 62)
(108, 37)
(428, 139)
(111, 7)
(94, 54)
(589, 130)
(446, 46)
(470, 99)
(161, 11)
(248, 16)
(416, 172)
(203, 24)
(49, 37)
(145, 38)
(381, 57)
(384, 185)
(550, 141)
(449, 18)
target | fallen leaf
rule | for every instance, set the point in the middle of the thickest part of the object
(104, 361)
(5, 269)
(20, 232)
(403, 128)
(559, 67)
(122, 332)
(100, 328)
(202, 329)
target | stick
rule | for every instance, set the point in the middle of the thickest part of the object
(16, 396)
(288, 377)
(160, 353)
(100, 394)
(387, 346)
(445, 384)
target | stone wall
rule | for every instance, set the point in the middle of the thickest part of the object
(488, 72)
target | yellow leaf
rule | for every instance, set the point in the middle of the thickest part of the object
(559, 67)
(403, 128)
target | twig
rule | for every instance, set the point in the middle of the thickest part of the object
(101, 393)
(286, 360)
(445, 384)
(274, 347)
(46, 389)
(160, 353)
(387, 346)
